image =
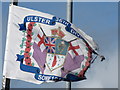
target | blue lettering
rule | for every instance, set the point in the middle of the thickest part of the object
(63, 21)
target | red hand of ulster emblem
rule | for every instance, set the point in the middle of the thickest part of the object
(54, 61)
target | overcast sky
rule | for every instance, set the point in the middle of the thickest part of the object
(97, 19)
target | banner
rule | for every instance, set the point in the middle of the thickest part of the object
(44, 48)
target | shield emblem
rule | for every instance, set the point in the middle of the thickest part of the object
(56, 52)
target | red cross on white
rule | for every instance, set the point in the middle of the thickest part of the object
(41, 40)
(73, 48)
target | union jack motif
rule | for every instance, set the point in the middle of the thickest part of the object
(50, 44)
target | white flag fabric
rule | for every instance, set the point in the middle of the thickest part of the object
(42, 47)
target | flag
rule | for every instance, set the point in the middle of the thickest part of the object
(42, 47)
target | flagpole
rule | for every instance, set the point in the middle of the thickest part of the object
(69, 18)
(7, 80)
(14, 2)
(69, 10)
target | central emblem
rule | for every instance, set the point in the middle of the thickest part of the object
(56, 49)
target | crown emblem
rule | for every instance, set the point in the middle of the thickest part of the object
(58, 32)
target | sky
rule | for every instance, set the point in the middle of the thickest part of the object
(97, 19)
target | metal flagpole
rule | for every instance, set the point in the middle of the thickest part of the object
(69, 18)
(7, 80)
(69, 10)
(14, 2)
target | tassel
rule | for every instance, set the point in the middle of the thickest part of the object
(102, 58)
